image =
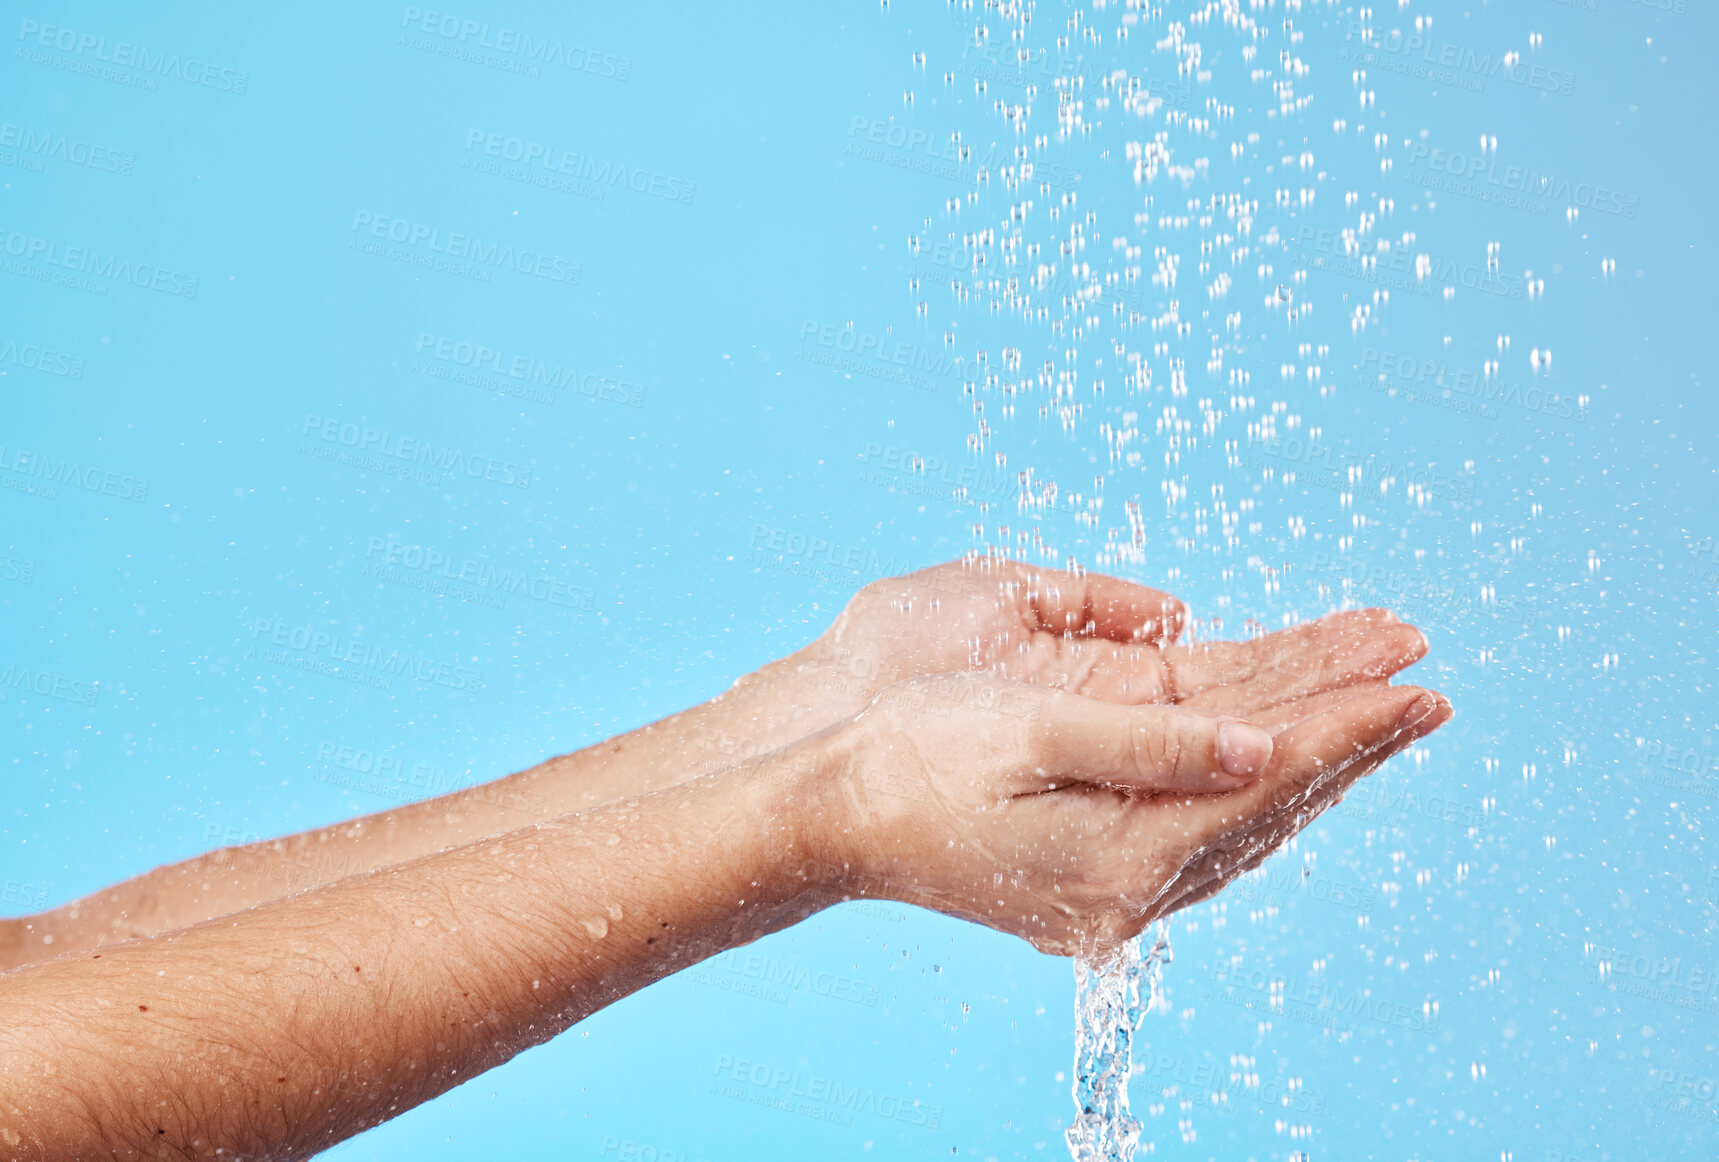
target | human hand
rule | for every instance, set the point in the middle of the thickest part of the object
(1074, 823)
(1090, 634)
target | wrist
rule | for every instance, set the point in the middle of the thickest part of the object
(783, 701)
(809, 816)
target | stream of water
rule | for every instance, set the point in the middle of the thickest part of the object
(1111, 998)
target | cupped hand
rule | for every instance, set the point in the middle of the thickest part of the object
(1088, 634)
(1074, 823)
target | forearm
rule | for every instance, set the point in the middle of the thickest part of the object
(280, 1031)
(765, 710)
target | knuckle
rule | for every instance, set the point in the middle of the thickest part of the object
(1150, 751)
(1174, 751)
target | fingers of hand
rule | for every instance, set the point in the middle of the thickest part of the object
(1215, 867)
(1317, 751)
(1333, 652)
(1247, 679)
(1235, 856)
(1146, 748)
(1096, 605)
(1285, 715)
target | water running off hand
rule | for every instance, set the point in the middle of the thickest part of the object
(1109, 1003)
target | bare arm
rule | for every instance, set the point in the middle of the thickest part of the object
(1093, 634)
(281, 1031)
(757, 715)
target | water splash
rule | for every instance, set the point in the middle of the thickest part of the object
(1108, 1009)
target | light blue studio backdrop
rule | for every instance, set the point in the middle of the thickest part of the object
(396, 397)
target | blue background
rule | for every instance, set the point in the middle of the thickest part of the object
(1504, 945)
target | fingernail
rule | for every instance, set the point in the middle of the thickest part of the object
(1418, 712)
(1243, 748)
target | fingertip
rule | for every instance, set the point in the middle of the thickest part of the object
(1162, 625)
(1429, 711)
(1399, 649)
(1104, 606)
(1243, 749)
(1167, 626)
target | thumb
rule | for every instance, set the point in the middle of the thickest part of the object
(1147, 748)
